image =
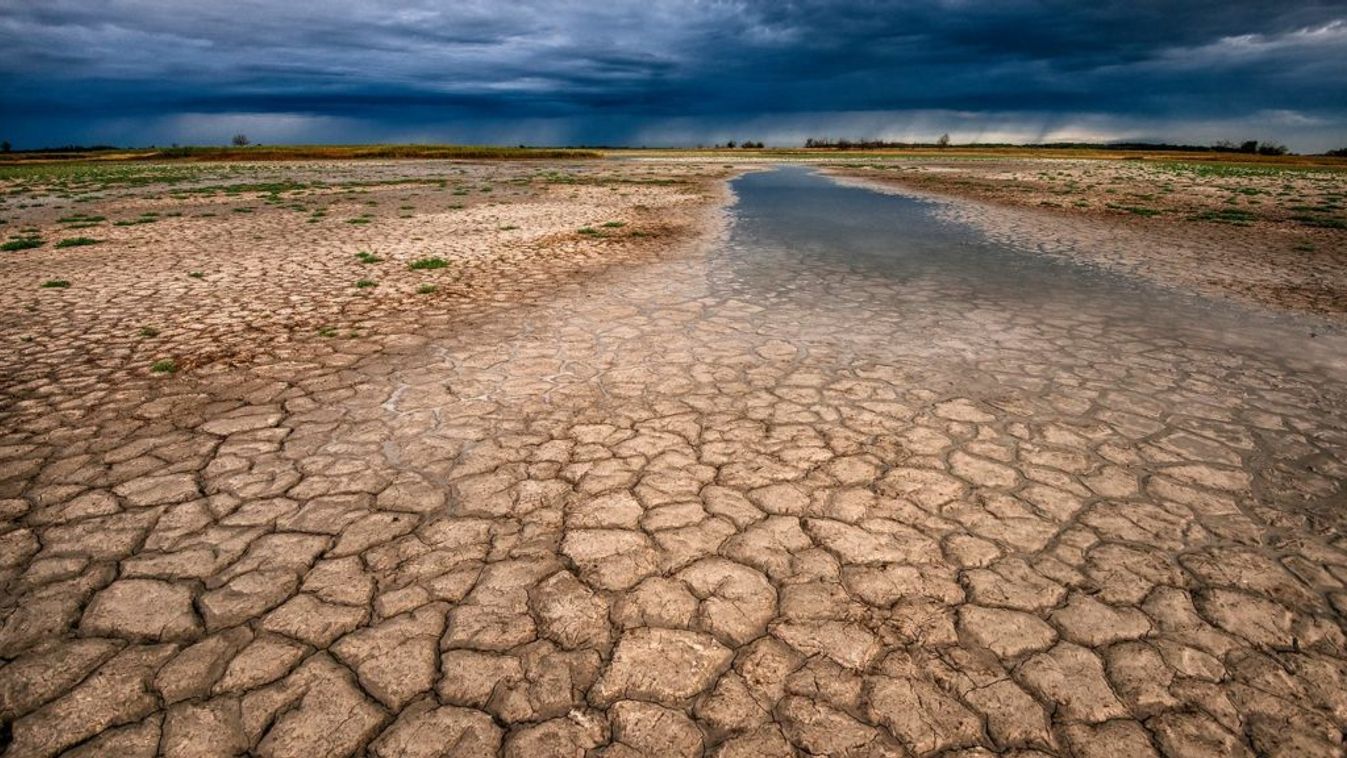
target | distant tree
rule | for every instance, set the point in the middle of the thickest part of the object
(1339, 153)
(1271, 148)
(730, 143)
(1249, 147)
(943, 141)
(240, 140)
(5, 147)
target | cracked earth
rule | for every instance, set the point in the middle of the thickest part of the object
(699, 490)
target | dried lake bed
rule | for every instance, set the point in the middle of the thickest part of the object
(646, 458)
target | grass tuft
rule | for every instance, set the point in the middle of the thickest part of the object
(164, 366)
(56, 284)
(22, 243)
(426, 264)
(77, 242)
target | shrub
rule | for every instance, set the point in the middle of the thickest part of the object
(164, 366)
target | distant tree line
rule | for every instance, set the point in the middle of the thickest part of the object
(1252, 147)
(1249, 146)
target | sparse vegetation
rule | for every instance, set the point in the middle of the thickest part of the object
(366, 284)
(426, 289)
(368, 258)
(426, 264)
(55, 284)
(22, 243)
(77, 242)
(164, 366)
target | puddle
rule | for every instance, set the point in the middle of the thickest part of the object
(803, 240)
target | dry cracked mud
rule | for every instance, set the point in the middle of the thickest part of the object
(727, 498)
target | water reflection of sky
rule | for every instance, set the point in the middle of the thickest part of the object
(889, 256)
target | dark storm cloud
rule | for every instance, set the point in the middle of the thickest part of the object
(622, 71)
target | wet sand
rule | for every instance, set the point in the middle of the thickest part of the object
(832, 474)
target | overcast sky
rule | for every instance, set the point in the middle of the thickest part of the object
(134, 72)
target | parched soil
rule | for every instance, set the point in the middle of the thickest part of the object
(1270, 235)
(621, 485)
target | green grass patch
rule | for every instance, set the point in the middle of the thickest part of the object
(196, 274)
(56, 284)
(1227, 216)
(164, 366)
(22, 243)
(426, 264)
(368, 258)
(77, 242)
(1321, 222)
(426, 289)
(366, 284)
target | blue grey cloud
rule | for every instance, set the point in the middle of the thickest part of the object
(140, 71)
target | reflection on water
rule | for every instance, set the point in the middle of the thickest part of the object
(802, 240)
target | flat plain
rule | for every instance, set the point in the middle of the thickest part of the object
(416, 458)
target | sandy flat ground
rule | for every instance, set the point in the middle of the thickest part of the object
(611, 487)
